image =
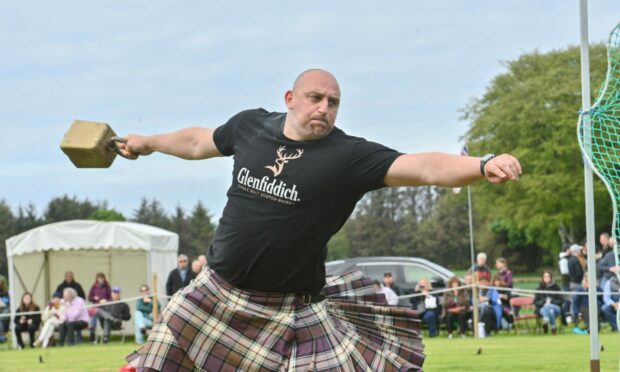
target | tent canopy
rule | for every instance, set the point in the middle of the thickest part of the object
(80, 234)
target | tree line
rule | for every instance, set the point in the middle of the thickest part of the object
(530, 110)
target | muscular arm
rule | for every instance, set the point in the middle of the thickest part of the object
(434, 168)
(188, 143)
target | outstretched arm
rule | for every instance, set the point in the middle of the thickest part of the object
(434, 168)
(189, 143)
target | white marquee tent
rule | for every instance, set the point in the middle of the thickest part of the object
(127, 253)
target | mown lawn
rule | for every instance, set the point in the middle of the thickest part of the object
(565, 352)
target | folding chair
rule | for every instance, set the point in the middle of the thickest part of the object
(527, 312)
(121, 329)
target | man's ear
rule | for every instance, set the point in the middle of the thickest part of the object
(288, 99)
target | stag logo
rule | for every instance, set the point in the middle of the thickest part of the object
(282, 159)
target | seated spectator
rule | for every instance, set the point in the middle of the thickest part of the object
(490, 307)
(388, 281)
(70, 282)
(74, 319)
(390, 296)
(100, 292)
(27, 322)
(5, 311)
(143, 318)
(611, 298)
(456, 306)
(52, 318)
(112, 316)
(427, 305)
(481, 269)
(580, 307)
(548, 305)
(506, 319)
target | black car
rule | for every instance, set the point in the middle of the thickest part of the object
(407, 271)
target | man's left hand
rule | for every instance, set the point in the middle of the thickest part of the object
(502, 168)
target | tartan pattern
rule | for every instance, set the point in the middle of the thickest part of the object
(213, 326)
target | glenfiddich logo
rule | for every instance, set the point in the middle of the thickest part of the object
(282, 159)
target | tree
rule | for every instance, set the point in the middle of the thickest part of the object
(65, 208)
(106, 215)
(531, 111)
(7, 229)
(152, 213)
(201, 231)
(180, 225)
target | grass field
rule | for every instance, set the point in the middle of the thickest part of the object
(564, 353)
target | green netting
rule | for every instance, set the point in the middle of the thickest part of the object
(603, 147)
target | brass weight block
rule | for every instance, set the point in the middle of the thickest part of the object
(89, 144)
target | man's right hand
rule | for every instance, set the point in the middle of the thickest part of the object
(136, 145)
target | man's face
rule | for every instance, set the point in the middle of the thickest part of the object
(68, 277)
(388, 280)
(116, 296)
(196, 266)
(312, 106)
(604, 240)
(182, 261)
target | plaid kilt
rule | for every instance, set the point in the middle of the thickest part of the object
(213, 326)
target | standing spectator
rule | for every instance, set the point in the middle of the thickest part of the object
(203, 260)
(548, 305)
(390, 296)
(5, 310)
(580, 308)
(490, 307)
(501, 264)
(611, 299)
(111, 316)
(426, 305)
(74, 319)
(563, 264)
(388, 281)
(100, 292)
(607, 260)
(576, 266)
(179, 277)
(196, 267)
(52, 318)
(143, 318)
(481, 269)
(70, 282)
(27, 322)
(456, 305)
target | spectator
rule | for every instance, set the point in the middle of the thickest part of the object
(580, 308)
(388, 281)
(607, 261)
(563, 264)
(196, 267)
(548, 305)
(179, 277)
(100, 292)
(490, 307)
(426, 305)
(144, 314)
(576, 267)
(70, 282)
(480, 268)
(5, 310)
(111, 316)
(505, 320)
(27, 322)
(203, 260)
(501, 264)
(611, 299)
(456, 305)
(74, 319)
(52, 318)
(390, 296)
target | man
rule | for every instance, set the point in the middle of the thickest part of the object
(296, 180)
(112, 316)
(480, 268)
(388, 281)
(144, 314)
(179, 277)
(70, 282)
(607, 261)
(580, 307)
(203, 260)
(611, 300)
(196, 267)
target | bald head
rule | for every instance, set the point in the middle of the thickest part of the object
(313, 74)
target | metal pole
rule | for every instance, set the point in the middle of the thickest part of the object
(595, 365)
(473, 274)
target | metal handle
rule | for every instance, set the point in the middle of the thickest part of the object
(113, 147)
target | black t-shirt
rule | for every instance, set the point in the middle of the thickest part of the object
(287, 199)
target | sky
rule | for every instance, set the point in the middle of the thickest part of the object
(406, 69)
